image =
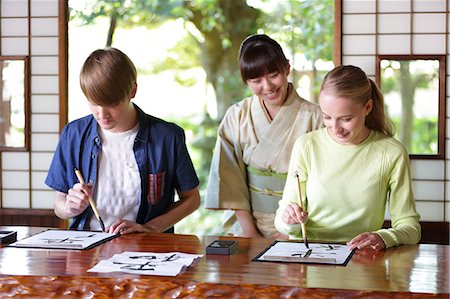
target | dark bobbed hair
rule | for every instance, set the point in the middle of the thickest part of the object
(108, 77)
(350, 82)
(260, 55)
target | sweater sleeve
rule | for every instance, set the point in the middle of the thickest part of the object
(404, 217)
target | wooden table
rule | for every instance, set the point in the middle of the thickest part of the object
(408, 271)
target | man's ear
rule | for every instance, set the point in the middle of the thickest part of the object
(133, 92)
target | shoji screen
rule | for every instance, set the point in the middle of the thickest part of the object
(31, 28)
(411, 27)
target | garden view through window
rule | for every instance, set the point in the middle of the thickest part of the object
(13, 91)
(412, 90)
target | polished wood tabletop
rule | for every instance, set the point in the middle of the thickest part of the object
(407, 271)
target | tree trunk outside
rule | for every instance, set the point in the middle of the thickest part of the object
(221, 65)
(407, 91)
(111, 30)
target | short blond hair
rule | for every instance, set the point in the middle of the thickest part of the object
(108, 77)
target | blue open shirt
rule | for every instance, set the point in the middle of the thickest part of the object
(161, 155)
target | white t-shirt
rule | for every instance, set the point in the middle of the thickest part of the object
(118, 189)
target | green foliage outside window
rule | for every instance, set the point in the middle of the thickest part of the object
(424, 136)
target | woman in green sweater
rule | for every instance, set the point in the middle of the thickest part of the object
(349, 171)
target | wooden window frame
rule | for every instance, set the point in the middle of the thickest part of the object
(26, 108)
(441, 109)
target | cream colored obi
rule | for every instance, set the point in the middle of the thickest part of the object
(266, 189)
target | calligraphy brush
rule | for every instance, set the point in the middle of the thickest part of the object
(91, 201)
(305, 239)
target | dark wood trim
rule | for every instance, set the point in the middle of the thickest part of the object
(63, 41)
(27, 212)
(31, 217)
(432, 232)
(337, 32)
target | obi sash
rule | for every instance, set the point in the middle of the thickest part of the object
(266, 189)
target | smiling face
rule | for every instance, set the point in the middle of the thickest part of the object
(272, 88)
(345, 118)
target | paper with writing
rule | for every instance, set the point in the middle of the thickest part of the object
(65, 239)
(297, 252)
(146, 263)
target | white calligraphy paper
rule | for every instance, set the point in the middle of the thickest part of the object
(316, 253)
(146, 263)
(65, 239)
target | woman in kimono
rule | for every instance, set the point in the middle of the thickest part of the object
(255, 139)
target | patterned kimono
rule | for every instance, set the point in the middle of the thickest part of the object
(251, 157)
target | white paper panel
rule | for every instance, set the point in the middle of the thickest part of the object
(44, 8)
(427, 169)
(428, 5)
(448, 51)
(447, 189)
(14, 8)
(447, 132)
(429, 190)
(447, 212)
(360, 24)
(44, 142)
(44, 65)
(44, 84)
(387, 215)
(44, 46)
(41, 161)
(448, 23)
(355, 6)
(45, 104)
(447, 164)
(448, 64)
(14, 46)
(429, 23)
(366, 63)
(45, 123)
(429, 44)
(15, 27)
(15, 180)
(447, 100)
(44, 26)
(43, 199)
(391, 6)
(16, 199)
(430, 211)
(15, 161)
(37, 180)
(394, 23)
(358, 44)
(393, 44)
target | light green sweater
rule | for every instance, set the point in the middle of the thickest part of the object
(347, 189)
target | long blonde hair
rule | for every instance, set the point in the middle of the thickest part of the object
(350, 82)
